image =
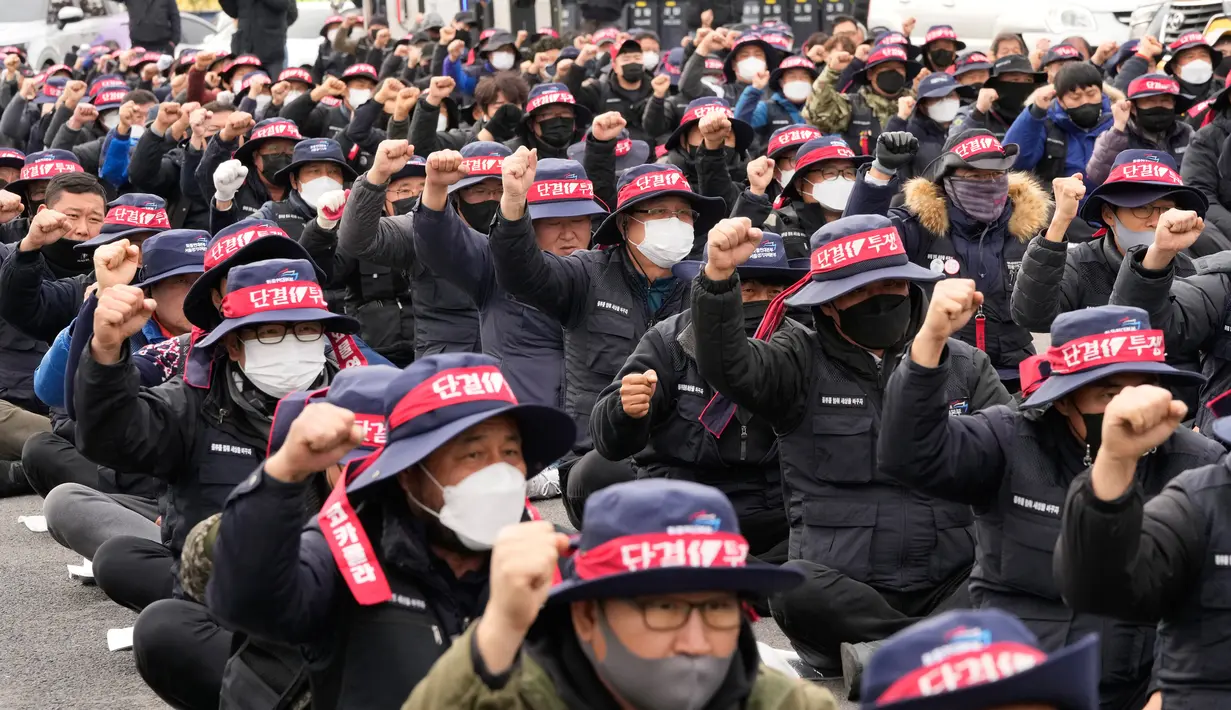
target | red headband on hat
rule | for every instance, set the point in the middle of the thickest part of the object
(262, 298)
(1065, 51)
(1144, 171)
(894, 38)
(653, 182)
(354, 69)
(624, 147)
(940, 33)
(1166, 85)
(796, 136)
(635, 553)
(560, 190)
(154, 218)
(856, 249)
(483, 165)
(44, 169)
(551, 97)
(10, 153)
(281, 129)
(959, 671)
(375, 433)
(829, 152)
(699, 112)
(976, 57)
(1103, 349)
(227, 246)
(1187, 38)
(457, 385)
(296, 74)
(110, 97)
(979, 144)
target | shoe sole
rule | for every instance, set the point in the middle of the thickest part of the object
(852, 670)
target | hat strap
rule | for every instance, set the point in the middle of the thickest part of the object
(351, 548)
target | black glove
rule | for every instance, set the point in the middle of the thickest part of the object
(503, 125)
(895, 149)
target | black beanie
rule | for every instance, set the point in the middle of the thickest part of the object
(1077, 75)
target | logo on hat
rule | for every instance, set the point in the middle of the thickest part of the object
(318, 147)
(960, 640)
(228, 245)
(550, 97)
(857, 248)
(1188, 38)
(131, 216)
(278, 129)
(483, 165)
(45, 169)
(699, 523)
(285, 275)
(199, 244)
(1127, 324)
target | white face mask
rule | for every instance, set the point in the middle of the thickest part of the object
(797, 91)
(312, 190)
(715, 85)
(1197, 72)
(666, 242)
(262, 101)
(1129, 238)
(832, 194)
(357, 34)
(331, 35)
(285, 367)
(291, 96)
(784, 177)
(484, 503)
(135, 132)
(111, 120)
(358, 97)
(649, 60)
(503, 61)
(442, 123)
(944, 111)
(748, 67)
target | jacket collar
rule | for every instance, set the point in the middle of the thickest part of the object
(1030, 206)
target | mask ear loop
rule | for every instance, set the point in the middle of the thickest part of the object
(414, 500)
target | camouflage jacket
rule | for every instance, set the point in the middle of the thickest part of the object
(830, 111)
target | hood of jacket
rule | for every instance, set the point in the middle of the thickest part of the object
(795, 112)
(1060, 117)
(1030, 205)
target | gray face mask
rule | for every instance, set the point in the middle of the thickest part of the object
(672, 683)
(1128, 238)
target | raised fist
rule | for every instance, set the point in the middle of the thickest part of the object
(1177, 230)
(456, 48)
(1137, 420)
(168, 114)
(954, 302)
(391, 156)
(382, 38)
(388, 91)
(518, 173)
(279, 91)
(29, 89)
(863, 51)
(607, 126)
(318, 438)
(524, 560)
(199, 122)
(761, 80)
(329, 208)
(1043, 97)
(636, 392)
(731, 242)
(149, 72)
(906, 104)
(440, 89)
(817, 54)
(1104, 52)
(73, 92)
(908, 26)
(715, 128)
(83, 115)
(10, 206)
(760, 174)
(987, 97)
(444, 167)
(228, 178)
(661, 85)
(1069, 191)
(47, 227)
(121, 313)
(707, 18)
(840, 60)
(202, 61)
(1150, 48)
(405, 102)
(1120, 113)
(238, 124)
(522, 35)
(116, 263)
(447, 33)
(257, 86)
(895, 149)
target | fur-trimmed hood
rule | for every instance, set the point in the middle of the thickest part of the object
(926, 200)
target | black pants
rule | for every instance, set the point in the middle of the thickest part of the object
(134, 572)
(830, 609)
(160, 47)
(587, 475)
(180, 652)
(50, 460)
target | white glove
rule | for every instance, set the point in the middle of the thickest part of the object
(329, 208)
(228, 178)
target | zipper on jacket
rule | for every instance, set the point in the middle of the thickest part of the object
(222, 414)
(743, 442)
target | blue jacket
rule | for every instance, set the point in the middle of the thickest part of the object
(1029, 132)
(49, 375)
(117, 151)
(466, 77)
(752, 110)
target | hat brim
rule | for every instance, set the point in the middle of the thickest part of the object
(775, 78)
(711, 209)
(1183, 102)
(199, 303)
(960, 44)
(817, 292)
(283, 176)
(190, 269)
(1056, 386)
(936, 93)
(571, 208)
(973, 66)
(546, 432)
(756, 578)
(1037, 78)
(117, 236)
(15, 163)
(1136, 195)
(333, 322)
(245, 152)
(743, 134)
(1065, 680)
(947, 162)
(688, 270)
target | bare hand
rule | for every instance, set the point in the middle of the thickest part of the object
(238, 124)
(1149, 47)
(730, 243)
(440, 89)
(1069, 192)
(318, 438)
(987, 97)
(74, 91)
(116, 263)
(518, 174)
(391, 156)
(46, 228)
(906, 104)
(1044, 96)
(840, 60)
(10, 205)
(1177, 230)
(607, 126)
(121, 313)
(715, 127)
(954, 302)
(760, 174)
(1120, 112)
(636, 393)
(444, 168)
(661, 84)
(1139, 419)
(761, 79)
(168, 114)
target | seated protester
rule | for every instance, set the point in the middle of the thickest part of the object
(651, 47)
(816, 193)
(441, 490)
(267, 148)
(158, 161)
(376, 230)
(257, 97)
(528, 342)
(1056, 132)
(496, 114)
(363, 46)
(617, 635)
(1015, 467)
(1192, 61)
(860, 116)
(1156, 554)
(821, 391)
(946, 646)
(117, 146)
(317, 167)
(789, 86)
(883, 38)
(605, 299)
(606, 153)
(940, 48)
(626, 87)
(13, 209)
(651, 411)
(1002, 97)
(1146, 120)
(747, 57)
(971, 72)
(552, 121)
(44, 95)
(370, 123)
(710, 151)
(292, 83)
(1057, 57)
(927, 119)
(435, 121)
(783, 149)
(327, 61)
(972, 216)
(88, 145)
(325, 111)
(1057, 277)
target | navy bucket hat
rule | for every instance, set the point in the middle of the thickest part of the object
(936, 85)
(267, 130)
(768, 262)
(789, 138)
(275, 291)
(663, 536)
(1139, 177)
(561, 189)
(936, 33)
(792, 62)
(128, 216)
(44, 165)
(651, 181)
(1220, 407)
(699, 109)
(976, 148)
(12, 158)
(928, 666)
(544, 95)
(52, 90)
(773, 55)
(1061, 53)
(1190, 40)
(628, 152)
(1093, 343)
(481, 160)
(172, 253)
(316, 150)
(360, 390)
(415, 167)
(812, 154)
(972, 61)
(438, 397)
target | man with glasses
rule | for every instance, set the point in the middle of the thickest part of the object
(631, 624)
(605, 299)
(970, 218)
(552, 122)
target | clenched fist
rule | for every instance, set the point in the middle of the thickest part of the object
(391, 156)
(760, 174)
(715, 128)
(954, 302)
(456, 48)
(228, 178)
(1069, 192)
(661, 84)
(840, 60)
(388, 91)
(318, 438)
(74, 91)
(447, 34)
(987, 97)
(440, 89)
(518, 174)
(83, 115)
(122, 311)
(636, 392)
(10, 206)
(168, 114)
(895, 149)
(1120, 113)
(906, 104)
(607, 126)
(1177, 230)
(1136, 420)
(329, 208)
(1149, 48)
(116, 263)
(47, 227)
(331, 86)
(1043, 97)
(444, 168)
(238, 124)
(405, 103)
(761, 80)
(731, 242)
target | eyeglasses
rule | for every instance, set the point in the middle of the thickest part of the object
(482, 193)
(1146, 212)
(834, 173)
(401, 193)
(673, 614)
(274, 333)
(656, 213)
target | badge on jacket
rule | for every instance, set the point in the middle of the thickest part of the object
(958, 407)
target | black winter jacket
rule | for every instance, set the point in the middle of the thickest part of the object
(153, 23)
(1204, 168)
(156, 166)
(261, 27)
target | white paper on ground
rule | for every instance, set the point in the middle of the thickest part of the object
(776, 659)
(119, 639)
(83, 571)
(33, 523)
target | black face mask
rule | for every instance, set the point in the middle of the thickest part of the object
(1085, 116)
(1094, 433)
(404, 205)
(754, 313)
(969, 92)
(273, 163)
(877, 323)
(890, 82)
(479, 215)
(557, 132)
(632, 73)
(463, 35)
(1159, 119)
(62, 254)
(942, 57)
(1012, 97)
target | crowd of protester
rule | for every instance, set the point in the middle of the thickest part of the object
(288, 352)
